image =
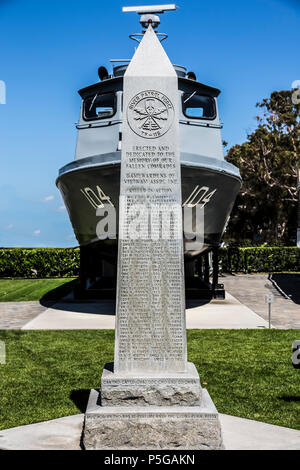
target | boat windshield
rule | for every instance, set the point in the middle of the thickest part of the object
(99, 106)
(198, 106)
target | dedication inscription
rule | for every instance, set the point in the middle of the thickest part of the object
(150, 323)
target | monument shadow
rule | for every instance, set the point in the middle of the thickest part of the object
(289, 284)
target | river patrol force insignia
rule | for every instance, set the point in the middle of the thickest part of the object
(150, 114)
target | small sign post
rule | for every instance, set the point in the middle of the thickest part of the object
(269, 299)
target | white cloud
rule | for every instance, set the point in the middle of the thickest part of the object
(8, 227)
(61, 208)
(48, 198)
(36, 233)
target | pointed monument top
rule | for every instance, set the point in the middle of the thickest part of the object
(150, 58)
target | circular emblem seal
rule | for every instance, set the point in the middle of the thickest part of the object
(150, 114)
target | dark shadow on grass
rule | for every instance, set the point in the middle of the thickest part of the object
(289, 284)
(290, 398)
(80, 398)
(95, 307)
(59, 292)
(57, 299)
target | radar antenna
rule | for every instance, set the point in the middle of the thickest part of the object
(148, 15)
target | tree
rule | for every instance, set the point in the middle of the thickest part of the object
(268, 161)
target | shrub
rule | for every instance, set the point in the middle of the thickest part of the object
(260, 259)
(64, 262)
(39, 262)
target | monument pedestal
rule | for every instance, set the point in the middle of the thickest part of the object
(153, 411)
(152, 427)
(150, 389)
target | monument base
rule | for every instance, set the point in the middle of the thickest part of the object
(176, 389)
(151, 427)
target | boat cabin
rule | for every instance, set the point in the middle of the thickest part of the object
(100, 121)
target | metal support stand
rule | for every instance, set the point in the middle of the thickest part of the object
(218, 289)
(206, 268)
(97, 280)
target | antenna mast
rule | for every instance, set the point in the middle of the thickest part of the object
(148, 14)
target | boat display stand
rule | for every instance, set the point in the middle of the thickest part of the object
(98, 278)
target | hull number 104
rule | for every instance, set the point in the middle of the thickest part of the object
(201, 195)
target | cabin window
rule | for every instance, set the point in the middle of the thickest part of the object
(99, 106)
(197, 106)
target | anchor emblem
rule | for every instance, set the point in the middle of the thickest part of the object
(150, 114)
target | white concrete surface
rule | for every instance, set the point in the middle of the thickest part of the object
(75, 316)
(245, 434)
(65, 434)
(57, 434)
(228, 313)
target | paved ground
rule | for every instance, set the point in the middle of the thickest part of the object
(246, 289)
(250, 290)
(65, 434)
(14, 315)
(228, 313)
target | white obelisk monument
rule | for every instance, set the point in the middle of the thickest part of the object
(151, 396)
(150, 329)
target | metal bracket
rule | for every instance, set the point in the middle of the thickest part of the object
(136, 36)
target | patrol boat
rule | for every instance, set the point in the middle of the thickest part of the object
(93, 178)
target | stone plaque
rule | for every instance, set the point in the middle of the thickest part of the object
(150, 316)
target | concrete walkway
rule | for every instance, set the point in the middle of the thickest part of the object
(250, 289)
(65, 434)
(14, 315)
(228, 313)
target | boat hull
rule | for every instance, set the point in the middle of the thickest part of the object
(85, 184)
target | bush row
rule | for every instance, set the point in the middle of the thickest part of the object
(39, 262)
(64, 262)
(260, 259)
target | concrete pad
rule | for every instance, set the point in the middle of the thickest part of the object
(246, 434)
(228, 313)
(65, 434)
(57, 434)
(76, 316)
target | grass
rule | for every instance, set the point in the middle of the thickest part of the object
(48, 374)
(17, 290)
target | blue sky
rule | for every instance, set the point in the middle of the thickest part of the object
(50, 49)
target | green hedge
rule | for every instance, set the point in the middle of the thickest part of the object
(260, 259)
(64, 262)
(39, 262)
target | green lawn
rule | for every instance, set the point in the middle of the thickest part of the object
(17, 290)
(248, 372)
